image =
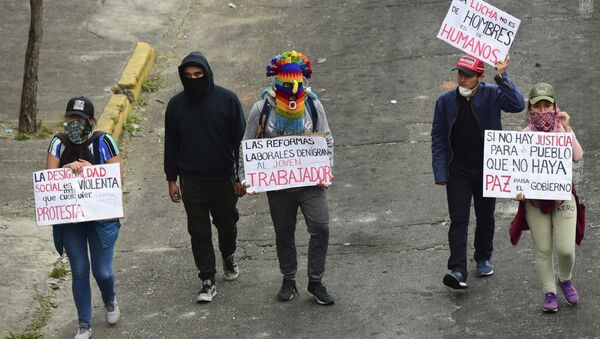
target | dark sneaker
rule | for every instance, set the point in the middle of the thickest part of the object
(569, 292)
(83, 332)
(455, 280)
(230, 268)
(208, 291)
(550, 302)
(319, 292)
(287, 290)
(484, 268)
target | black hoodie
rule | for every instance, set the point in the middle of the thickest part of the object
(203, 131)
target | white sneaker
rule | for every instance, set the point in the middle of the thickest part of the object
(83, 332)
(230, 268)
(112, 312)
(207, 292)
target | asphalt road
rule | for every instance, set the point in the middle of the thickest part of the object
(388, 246)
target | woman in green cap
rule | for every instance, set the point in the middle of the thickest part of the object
(555, 225)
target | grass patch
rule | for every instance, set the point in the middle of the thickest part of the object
(132, 124)
(22, 137)
(46, 130)
(43, 131)
(24, 336)
(58, 272)
(152, 84)
(40, 318)
(140, 101)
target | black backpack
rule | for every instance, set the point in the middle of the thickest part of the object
(75, 152)
(266, 111)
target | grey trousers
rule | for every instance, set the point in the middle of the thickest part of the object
(284, 208)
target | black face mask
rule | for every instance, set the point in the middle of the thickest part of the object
(195, 87)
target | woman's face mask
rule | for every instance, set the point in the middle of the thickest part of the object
(542, 121)
(77, 131)
(542, 116)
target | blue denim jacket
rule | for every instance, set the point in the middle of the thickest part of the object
(487, 104)
(108, 232)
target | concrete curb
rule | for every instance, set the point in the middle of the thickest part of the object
(128, 90)
(136, 71)
(114, 115)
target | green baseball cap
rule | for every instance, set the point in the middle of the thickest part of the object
(541, 91)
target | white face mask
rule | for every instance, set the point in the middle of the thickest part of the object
(465, 92)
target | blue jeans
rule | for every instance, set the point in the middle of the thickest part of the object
(76, 238)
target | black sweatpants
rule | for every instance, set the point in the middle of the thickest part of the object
(204, 199)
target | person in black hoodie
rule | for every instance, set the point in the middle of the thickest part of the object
(204, 125)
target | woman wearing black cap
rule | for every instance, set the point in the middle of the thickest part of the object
(77, 147)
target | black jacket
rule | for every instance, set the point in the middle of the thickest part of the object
(203, 131)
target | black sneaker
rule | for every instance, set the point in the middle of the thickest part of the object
(230, 268)
(455, 280)
(287, 290)
(319, 292)
(208, 291)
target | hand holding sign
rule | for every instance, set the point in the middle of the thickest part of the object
(565, 120)
(501, 66)
(77, 166)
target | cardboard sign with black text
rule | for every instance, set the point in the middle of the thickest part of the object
(538, 164)
(62, 197)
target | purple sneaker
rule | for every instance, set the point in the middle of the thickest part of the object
(569, 292)
(550, 303)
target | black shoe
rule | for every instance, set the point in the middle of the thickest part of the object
(319, 292)
(455, 280)
(230, 268)
(208, 291)
(287, 291)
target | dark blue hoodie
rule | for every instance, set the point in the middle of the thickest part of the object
(203, 129)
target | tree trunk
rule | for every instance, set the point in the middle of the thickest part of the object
(28, 111)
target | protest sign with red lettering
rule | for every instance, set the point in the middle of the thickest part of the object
(62, 197)
(284, 162)
(480, 29)
(538, 164)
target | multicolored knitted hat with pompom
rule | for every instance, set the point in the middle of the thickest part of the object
(288, 58)
(290, 69)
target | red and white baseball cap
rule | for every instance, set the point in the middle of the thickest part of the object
(470, 65)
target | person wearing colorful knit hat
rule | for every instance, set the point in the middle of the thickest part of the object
(288, 107)
(460, 118)
(554, 225)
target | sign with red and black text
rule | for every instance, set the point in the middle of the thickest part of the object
(479, 29)
(63, 197)
(284, 162)
(538, 164)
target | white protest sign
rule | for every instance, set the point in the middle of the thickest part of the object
(480, 29)
(538, 164)
(284, 162)
(63, 197)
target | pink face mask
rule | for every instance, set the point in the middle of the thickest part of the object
(543, 121)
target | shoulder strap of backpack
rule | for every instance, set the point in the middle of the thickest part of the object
(95, 140)
(264, 117)
(312, 110)
(63, 138)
